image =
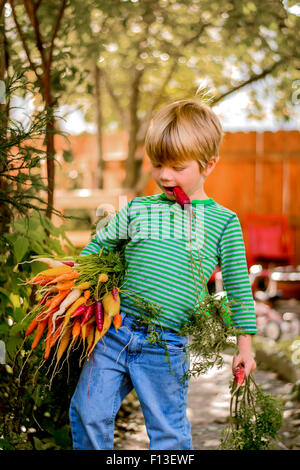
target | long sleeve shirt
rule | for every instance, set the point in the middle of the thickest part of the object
(160, 268)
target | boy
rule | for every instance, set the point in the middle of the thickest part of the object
(183, 145)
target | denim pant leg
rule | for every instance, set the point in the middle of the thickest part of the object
(102, 386)
(162, 395)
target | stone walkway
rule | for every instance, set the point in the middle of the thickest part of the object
(208, 410)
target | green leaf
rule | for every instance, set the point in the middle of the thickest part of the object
(12, 237)
(38, 444)
(12, 344)
(15, 299)
(4, 328)
(34, 224)
(5, 292)
(62, 437)
(15, 329)
(20, 248)
(5, 445)
(18, 314)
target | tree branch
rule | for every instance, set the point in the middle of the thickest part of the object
(254, 78)
(56, 28)
(158, 96)
(31, 12)
(2, 4)
(21, 35)
(38, 4)
(114, 98)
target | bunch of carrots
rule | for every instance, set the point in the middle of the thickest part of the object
(67, 313)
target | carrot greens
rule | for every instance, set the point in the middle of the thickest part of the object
(255, 418)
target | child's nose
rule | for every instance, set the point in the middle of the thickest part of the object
(165, 173)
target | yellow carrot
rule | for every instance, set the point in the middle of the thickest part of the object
(83, 286)
(86, 327)
(56, 271)
(90, 337)
(72, 309)
(63, 344)
(98, 334)
(110, 305)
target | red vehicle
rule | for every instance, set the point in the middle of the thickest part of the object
(274, 277)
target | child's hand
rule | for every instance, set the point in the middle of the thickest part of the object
(246, 359)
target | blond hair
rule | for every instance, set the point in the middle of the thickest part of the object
(184, 130)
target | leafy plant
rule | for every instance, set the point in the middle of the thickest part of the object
(91, 266)
(23, 397)
(255, 418)
(211, 331)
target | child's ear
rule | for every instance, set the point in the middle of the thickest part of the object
(211, 165)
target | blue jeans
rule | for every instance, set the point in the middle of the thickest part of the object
(112, 372)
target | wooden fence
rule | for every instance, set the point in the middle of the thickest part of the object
(257, 173)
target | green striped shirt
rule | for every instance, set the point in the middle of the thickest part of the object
(158, 254)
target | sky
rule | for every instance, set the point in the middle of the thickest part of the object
(232, 113)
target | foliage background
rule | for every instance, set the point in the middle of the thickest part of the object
(118, 62)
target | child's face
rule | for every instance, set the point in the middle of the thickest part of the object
(185, 174)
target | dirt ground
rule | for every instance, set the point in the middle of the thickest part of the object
(208, 411)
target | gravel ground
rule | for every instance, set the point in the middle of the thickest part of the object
(208, 411)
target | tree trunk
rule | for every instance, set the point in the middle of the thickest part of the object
(100, 167)
(5, 215)
(49, 141)
(132, 163)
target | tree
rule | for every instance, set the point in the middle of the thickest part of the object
(5, 214)
(38, 25)
(154, 52)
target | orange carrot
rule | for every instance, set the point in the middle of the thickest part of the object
(38, 278)
(41, 316)
(31, 327)
(40, 281)
(87, 294)
(57, 299)
(46, 281)
(117, 321)
(65, 277)
(48, 338)
(39, 333)
(65, 285)
(48, 302)
(55, 336)
(76, 329)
